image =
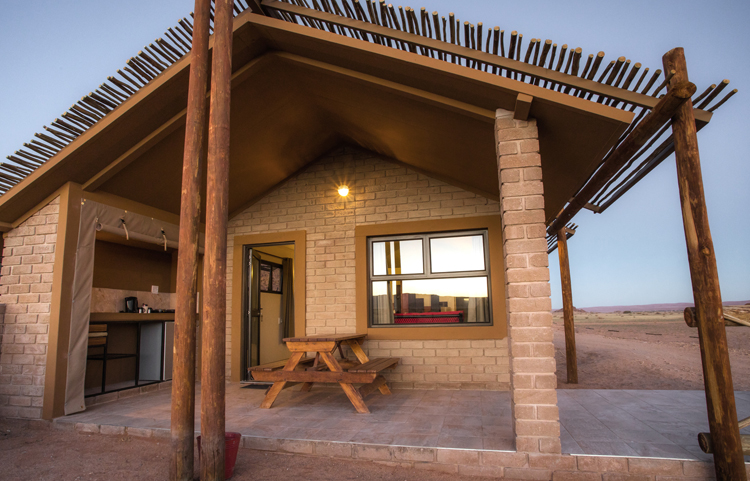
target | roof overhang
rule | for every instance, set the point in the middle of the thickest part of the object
(296, 93)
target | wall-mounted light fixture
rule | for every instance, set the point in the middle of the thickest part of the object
(343, 191)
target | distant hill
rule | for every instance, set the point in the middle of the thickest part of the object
(677, 306)
(575, 310)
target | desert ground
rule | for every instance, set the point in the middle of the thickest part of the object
(624, 350)
(645, 350)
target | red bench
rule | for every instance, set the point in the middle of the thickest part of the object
(448, 317)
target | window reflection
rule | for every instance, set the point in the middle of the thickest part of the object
(430, 301)
(397, 257)
(457, 254)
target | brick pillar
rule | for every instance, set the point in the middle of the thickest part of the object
(532, 353)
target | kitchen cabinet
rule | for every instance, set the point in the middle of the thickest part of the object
(138, 352)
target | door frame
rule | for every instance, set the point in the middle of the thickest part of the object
(246, 327)
(298, 238)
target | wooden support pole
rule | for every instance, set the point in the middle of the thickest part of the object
(571, 361)
(717, 376)
(183, 374)
(215, 259)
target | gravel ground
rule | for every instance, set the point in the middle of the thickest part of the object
(651, 350)
(48, 454)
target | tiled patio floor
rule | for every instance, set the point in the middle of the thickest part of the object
(659, 424)
(606, 422)
(450, 419)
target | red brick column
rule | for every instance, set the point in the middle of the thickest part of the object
(532, 354)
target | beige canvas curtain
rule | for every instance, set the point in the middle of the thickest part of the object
(94, 217)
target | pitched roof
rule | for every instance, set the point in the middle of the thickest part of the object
(621, 84)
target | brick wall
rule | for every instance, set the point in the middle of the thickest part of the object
(532, 365)
(380, 191)
(25, 292)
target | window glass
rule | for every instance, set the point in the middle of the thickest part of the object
(270, 277)
(457, 254)
(397, 257)
(458, 300)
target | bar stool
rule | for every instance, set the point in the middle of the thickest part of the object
(98, 339)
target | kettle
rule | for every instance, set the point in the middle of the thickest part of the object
(131, 304)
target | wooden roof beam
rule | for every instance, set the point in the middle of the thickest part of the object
(402, 90)
(647, 128)
(523, 106)
(159, 134)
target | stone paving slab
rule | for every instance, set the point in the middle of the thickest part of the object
(651, 424)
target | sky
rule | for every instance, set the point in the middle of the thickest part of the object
(54, 52)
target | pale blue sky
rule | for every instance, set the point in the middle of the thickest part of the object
(54, 52)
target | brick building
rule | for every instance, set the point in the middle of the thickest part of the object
(437, 249)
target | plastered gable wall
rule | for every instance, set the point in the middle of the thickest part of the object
(381, 191)
(25, 294)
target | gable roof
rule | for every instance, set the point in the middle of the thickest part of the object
(434, 110)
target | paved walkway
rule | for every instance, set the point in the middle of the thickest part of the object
(658, 424)
(661, 424)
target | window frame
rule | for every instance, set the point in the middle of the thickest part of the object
(428, 274)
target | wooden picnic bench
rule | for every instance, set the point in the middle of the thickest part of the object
(366, 372)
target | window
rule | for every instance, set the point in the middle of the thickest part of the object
(429, 279)
(270, 277)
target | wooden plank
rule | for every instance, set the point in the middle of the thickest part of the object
(356, 347)
(692, 321)
(377, 364)
(96, 341)
(325, 338)
(571, 361)
(314, 376)
(300, 346)
(717, 374)
(272, 366)
(351, 392)
(274, 391)
(706, 443)
(367, 389)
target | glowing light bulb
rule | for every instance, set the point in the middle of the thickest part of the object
(343, 191)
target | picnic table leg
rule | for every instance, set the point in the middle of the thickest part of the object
(360, 353)
(308, 385)
(278, 386)
(351, 392)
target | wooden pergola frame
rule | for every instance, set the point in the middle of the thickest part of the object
(724, 440)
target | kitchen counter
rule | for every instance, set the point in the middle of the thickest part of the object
(131, 317)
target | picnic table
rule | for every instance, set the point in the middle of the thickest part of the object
(295, 370)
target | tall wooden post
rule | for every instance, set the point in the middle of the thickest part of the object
(215, 258)
(183, 374)
(571, 361)
(717, 376)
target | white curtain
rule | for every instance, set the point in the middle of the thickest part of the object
(381, 309)
(478, 310)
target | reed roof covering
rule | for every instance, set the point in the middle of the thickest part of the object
(619, 83)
